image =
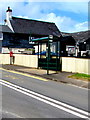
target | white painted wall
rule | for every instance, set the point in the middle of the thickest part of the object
(69, 64)
(20, 59)
(76, 65)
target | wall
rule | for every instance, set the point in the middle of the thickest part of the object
(4, 59)
(69, 64)
(26, 60)
(16, 40)
(20, 59)
(15, 50)
(76, 65)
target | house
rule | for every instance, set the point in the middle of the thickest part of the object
(3, 32)
(18, 32)
(18, 42)
(67, 45)
(82, 41)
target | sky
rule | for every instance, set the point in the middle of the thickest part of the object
(69, 16)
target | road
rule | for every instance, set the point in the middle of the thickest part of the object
(26, 96)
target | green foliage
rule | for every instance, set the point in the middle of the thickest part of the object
(29, 49)
(80, 76)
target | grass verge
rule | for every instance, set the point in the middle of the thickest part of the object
(80, 76)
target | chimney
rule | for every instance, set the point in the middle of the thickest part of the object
(9, 14)
(8, 18)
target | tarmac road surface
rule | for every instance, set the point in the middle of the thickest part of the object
(25, 96)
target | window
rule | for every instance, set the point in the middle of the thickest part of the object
(30, 40)
(1, 36)
(70, 49)
(88, 47)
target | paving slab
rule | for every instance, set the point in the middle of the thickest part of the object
(53, 75)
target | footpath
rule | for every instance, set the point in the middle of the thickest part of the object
(58, 77)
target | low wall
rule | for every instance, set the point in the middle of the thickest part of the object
(4, 59)
(26, 60)
(20, 59)
(76, 65)
(69, 64)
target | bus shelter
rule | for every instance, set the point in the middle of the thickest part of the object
(48, 53)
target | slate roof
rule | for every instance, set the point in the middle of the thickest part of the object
(68, 40)
(79, 36)
(5, 28)
(34, 27)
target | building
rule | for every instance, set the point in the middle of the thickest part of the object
(67, 45)
(82, 42)
(18, 32)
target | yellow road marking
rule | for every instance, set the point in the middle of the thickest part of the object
(11, 76)
(39, 78)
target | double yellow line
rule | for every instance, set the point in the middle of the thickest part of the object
(24, 74)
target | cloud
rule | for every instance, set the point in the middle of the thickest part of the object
(45, 11)
(81, 26)
(47, 0)
(32, 8)
(65, 24)
(76, 7)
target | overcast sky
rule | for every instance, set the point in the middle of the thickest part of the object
(68, 16)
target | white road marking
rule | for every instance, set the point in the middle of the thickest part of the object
(44, 97)
(60, 105)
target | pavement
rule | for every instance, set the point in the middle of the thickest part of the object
(58, 77)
